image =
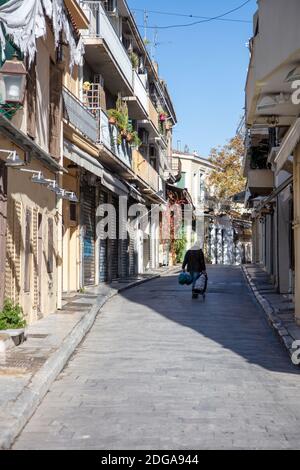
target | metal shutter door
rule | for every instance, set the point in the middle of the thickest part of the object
(114, 244)
(103, 271)
(132, 253)
(88, 221)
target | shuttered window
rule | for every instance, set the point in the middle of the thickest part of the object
(3, 218)
(27, 270)
(55, 117)
(50, 247)
(31, 101)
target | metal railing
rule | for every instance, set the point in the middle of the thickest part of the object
(77, 114)
(145, 171)
(101, 27)
(140, 91)
(109, 138)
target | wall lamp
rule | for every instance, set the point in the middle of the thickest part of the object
(38, 177)
(13, 160)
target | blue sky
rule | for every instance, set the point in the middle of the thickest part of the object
(205, 66)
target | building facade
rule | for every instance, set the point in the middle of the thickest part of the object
(271, 162)
(222, 231)
(67, 165)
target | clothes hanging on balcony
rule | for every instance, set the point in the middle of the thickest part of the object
(25, 21)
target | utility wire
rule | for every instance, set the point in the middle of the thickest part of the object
(156, 12)
(201, 21)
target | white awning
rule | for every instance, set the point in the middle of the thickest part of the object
(114, 184)
(82, 159)
(288, 145)
(91, 164)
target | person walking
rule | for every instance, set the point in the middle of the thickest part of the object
(194, 261)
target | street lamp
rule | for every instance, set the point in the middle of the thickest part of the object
(13, 76)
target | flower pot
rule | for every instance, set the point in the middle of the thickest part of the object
(112, 120)
(129, 138)
(123, 134)
(17, 335)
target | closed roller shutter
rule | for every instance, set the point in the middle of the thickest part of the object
(88, 222)
(103, 262)
(132, 252)
(114, 244)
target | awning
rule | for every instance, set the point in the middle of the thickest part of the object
(288, 145)
(82, 159)
(114, 184)
(91, 164)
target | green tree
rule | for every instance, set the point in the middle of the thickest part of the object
(227, 178)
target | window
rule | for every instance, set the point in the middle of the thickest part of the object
(73, 211)
(27, 264)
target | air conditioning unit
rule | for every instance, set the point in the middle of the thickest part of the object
(111, 7)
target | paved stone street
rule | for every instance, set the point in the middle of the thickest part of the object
(162, 371)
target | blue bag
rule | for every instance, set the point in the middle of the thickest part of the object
(185, 279)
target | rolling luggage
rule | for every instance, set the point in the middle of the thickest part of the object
(201, 285)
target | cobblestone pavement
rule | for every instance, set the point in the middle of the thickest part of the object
(162, 371)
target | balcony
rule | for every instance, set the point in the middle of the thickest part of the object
(173, 168)
(260, 182)
(104, 50)
(153, 115)
(79, 116)
(145, 171)
(109, 139)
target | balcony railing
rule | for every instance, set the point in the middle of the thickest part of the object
(79, 116)
(109, 138)
(145, 171)
(153, 114)
(101, 28)
(140, 91)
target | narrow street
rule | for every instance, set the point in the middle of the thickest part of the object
(159, 370)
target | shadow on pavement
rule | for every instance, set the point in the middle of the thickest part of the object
(230, 316)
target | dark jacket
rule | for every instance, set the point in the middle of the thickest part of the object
(194, 260)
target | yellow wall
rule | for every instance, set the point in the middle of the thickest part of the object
(23, 195)
(71, 236)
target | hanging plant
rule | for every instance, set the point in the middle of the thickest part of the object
(162, 115)
(135, 61)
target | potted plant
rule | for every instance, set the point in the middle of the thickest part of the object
(113, 116)
(135, 140)
(12, 322)
(163, 116)
(135, 61)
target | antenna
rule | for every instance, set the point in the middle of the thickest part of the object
(154, 44)
(145, 24)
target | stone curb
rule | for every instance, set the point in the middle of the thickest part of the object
(21, 410)
(275, 322)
